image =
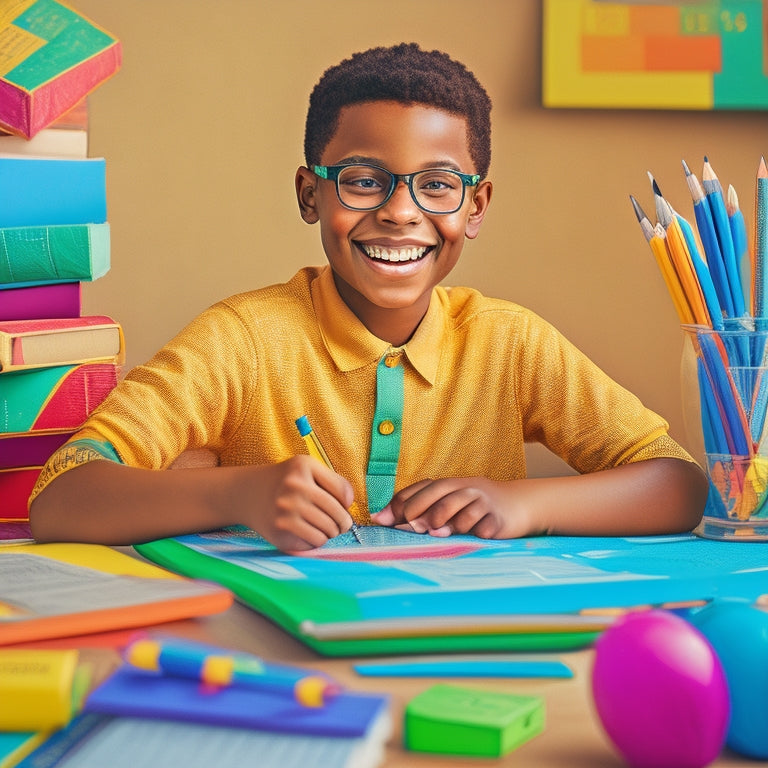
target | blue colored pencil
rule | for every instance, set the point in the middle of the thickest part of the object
(714, 193)
(708, 236)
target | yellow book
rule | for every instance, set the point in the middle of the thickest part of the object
(37, 688)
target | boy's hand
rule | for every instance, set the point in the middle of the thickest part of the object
(454, 505)
(297, 504)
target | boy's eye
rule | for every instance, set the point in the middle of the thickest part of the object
(363, 181)
(437, 184)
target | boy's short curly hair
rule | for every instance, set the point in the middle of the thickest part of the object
(403, 73)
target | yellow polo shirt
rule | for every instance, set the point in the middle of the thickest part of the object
(481, 377)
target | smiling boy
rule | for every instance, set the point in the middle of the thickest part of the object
(423, 396)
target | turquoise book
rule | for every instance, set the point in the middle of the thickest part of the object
(37, 191)
(53, 254)
(401, 592)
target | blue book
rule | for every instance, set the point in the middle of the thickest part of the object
(135, 693)
(36, 191)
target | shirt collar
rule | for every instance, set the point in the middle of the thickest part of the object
(351, 345)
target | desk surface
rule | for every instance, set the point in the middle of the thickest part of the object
(572, 738)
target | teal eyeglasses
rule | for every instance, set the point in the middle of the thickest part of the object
(368, 187)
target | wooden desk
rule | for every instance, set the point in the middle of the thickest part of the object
(572, 738)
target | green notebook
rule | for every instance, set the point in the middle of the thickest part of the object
(401, 592)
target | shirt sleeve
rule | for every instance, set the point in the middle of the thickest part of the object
(190, 395)
(580, 413)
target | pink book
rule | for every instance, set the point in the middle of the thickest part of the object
(58, 300)
(29, 449)
(15, 487)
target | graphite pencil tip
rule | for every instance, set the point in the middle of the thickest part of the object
(686, 168)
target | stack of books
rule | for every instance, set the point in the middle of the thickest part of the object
(56, 365)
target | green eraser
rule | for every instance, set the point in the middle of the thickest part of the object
(452, 719)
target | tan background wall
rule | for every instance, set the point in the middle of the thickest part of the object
(202, 130)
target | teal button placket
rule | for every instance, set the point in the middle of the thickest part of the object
(386, 431)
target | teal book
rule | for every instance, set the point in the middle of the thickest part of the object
(37, 191)
(52, 56)
(402, 592)
(56, 398)
(53, 254)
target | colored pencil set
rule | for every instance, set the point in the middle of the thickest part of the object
(717, 277)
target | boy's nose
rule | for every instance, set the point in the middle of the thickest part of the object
(401, 206)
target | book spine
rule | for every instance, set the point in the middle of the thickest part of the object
(15, 487)
(36, 688)
(46, 191)
(61, 397)
(57, 300)
(59, 253)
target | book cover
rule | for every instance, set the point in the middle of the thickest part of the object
(36, 191)
(29, 449)
(52, 57)
(132, 693)
(57, 398)
(522, 594)
(40, 301)
(15, 487)
(128, 742)
(53, 254)
(65, 590)
(50, 342)
(36, 688)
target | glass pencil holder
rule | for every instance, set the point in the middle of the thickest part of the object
(725, 396)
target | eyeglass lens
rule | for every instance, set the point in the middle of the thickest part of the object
(366, 187)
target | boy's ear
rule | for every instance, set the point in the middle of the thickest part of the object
(480, 201)
(305, 194)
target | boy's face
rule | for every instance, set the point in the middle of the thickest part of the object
(403, 139)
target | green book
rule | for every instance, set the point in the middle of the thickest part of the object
(53, 254)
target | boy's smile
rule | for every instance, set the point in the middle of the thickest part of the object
(387, 261)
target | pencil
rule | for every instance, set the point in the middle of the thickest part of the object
(740, 246)
(656, 240)
(714, 192)
(681, 259)
(760, 272)
(708, 236)
(315, 448)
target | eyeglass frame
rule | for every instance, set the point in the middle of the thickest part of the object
(331, 173)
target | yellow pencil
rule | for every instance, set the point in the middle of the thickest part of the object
(316, 450)
(656, 237)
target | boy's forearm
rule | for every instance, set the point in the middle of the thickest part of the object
(643, 498)
(107, 503)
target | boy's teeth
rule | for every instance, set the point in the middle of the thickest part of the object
(394, 254)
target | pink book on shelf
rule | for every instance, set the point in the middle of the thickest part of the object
(58, 300)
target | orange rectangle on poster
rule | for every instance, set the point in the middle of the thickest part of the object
(612, 54)
(654, 20)
(700, 53)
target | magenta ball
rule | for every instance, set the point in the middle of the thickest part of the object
(660, 691)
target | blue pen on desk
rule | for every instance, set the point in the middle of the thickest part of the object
(222, 668)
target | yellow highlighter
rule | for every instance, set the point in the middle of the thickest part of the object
(315, 448)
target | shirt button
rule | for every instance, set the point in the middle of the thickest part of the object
(391, 361)
(386, 427)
